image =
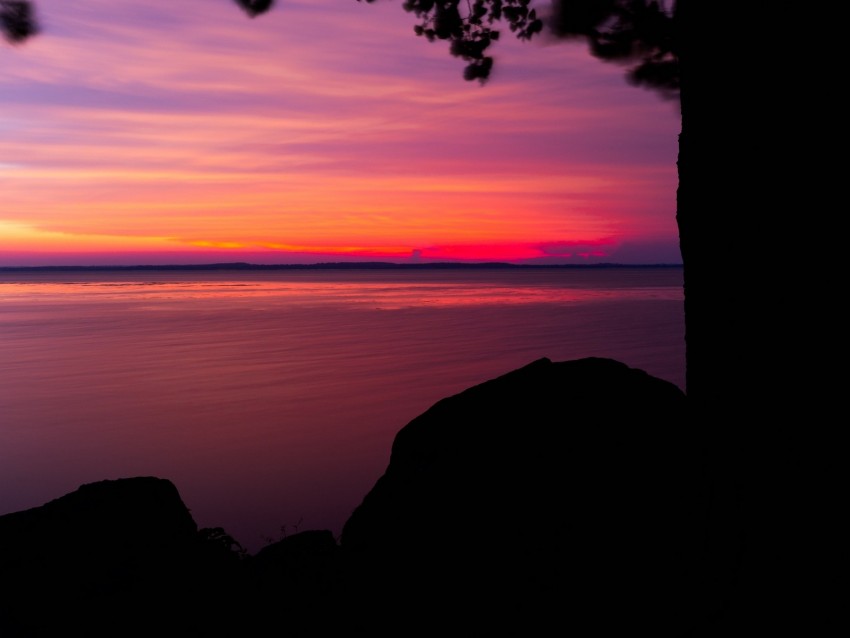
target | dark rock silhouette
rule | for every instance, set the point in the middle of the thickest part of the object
(114, 554)
(559, 497)
(295, 585)
(304, 562)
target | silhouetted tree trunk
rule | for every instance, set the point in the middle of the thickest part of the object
(699, 216)
(752, 387)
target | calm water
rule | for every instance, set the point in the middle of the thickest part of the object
(271, 398)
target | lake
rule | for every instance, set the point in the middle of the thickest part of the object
(271, 397)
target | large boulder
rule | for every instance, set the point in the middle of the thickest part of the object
(111, 558)
(125, 558)
(125, 527)
(558, 496)
(573, 497)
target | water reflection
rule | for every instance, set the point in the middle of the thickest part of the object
(272, 399)
(407, 290)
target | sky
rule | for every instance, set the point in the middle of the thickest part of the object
(158, 132)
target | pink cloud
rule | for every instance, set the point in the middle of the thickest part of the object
(319, 124)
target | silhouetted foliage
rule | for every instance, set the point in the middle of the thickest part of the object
(635, 32)
(470, 30)
(218, 540)
(18, 20)
(255, 7)
(639, 32)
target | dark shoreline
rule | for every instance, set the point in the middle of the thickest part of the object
(366, 265)
(513, 508)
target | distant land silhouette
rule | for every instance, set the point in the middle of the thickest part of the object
(364, 265)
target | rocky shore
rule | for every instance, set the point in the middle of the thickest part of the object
(577, 497)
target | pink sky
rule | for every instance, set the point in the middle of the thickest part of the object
(325, 130)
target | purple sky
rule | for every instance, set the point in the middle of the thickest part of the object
(163, 132)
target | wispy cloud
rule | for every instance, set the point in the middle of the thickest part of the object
(322, 124)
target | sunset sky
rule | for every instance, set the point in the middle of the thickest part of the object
(325, 130)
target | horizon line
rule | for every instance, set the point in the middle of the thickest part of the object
(338, 265)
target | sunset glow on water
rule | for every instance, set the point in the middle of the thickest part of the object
(271, 399)
(309, 288)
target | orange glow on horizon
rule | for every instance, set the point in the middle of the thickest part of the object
(218, 135)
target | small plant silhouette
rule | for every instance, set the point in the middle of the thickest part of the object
(217, 538)
(284, 533)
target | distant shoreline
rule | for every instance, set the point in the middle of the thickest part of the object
(366, 265)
